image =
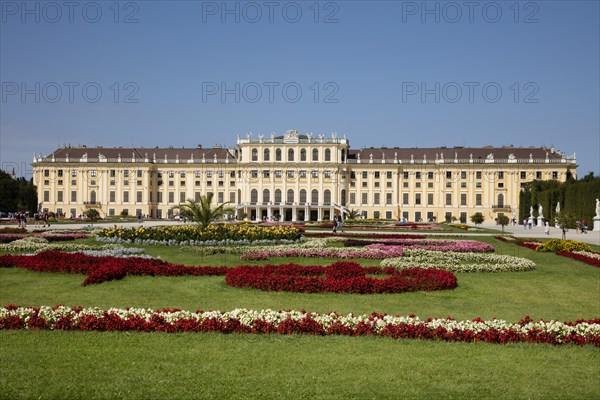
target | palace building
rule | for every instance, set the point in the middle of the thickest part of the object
(297, 177)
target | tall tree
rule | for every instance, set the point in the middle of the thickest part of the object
(9, 193)
(202, 212)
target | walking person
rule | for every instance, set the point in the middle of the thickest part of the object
(335, 223)
(547, 228)
(340, 223)
(45, 219)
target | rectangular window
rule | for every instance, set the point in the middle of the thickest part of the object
(73, 196)
(126, 197)
(365, 197)
(208, 183)
(302, 174)
(478, 199)
(478, 175)
(112, 182)
(290, 174)
(364, 174)
(171, 197)
(279, 174)
(364, 184)
(388, 198)
(405, 198)
(523, 175)
(554, 174)
(417, 184)
(418, 175)
(448, 174)
(463, 175)
(209, 174)
(376, 184)
(376, 214)
(463, 199)
(463, 185)
(448, 199)
(388, 174)
(221, 197)
(59, 196)
(538, 175)
(46, 195)
(182, 175)
(500, 185)
(327, 174)
(60, 172)
(111, 196)
(232, 197)
(377, 175)
(46, 173)
(138, 196)
(352, 198)
(182, 197)
(113, 173)
(159, 197)
(111, 212)
(405, 174)
(417, 198)
(478, 185)
(500, 174)
(376, 197)
(352, 175)
(448, 184)
(388, 184)
(139, 173)
(430, 175)
(429, 199)
(93, 173)
(125, 182)
(73, 173)
(254, 174)
(126, 174)
(181, 183)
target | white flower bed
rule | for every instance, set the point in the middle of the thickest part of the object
(458, 262)
(37, 244)
(588, 254)
(121, 252)
(310, 243)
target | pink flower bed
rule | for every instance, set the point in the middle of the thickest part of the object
(386, 248)
(8, 237)
(288, 322)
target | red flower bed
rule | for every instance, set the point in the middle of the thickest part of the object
(580, 257)
(102, 269)
(518, 242)
(340, 277)
(364, 235)
(581, 332)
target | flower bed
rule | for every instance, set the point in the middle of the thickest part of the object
(245, 321)
(213, 233)
(384, 248)
(8, 238)
(339, 277)
(458, 262)
(312, 243)
(364, 235)
(38, 244)
(556, 245)
(588, 257)
(102, 269)
(518, 242)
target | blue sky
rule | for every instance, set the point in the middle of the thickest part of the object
(409, 74)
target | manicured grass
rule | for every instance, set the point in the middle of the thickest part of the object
(42, 364)
(92, 365)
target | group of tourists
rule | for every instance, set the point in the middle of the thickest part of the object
(41, 217)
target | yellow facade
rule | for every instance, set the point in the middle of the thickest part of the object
(297, 178)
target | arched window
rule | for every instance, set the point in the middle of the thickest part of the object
(254, 196)
(254, 155)
(500, 200)
(327, 155)
(315, 155)
(278, 155)
(343, 197)
(266, 196)
(93, 197)
(314, 197)
(302, 154)
(277, 196)
(266, 155)
(290, 196)
(302, 196)
(290, 155)
(327, 197)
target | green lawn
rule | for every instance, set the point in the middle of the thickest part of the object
(122, 365)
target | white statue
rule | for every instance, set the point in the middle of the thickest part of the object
(597, 208)
(540, 211)
(558, 208)
(531, 211)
